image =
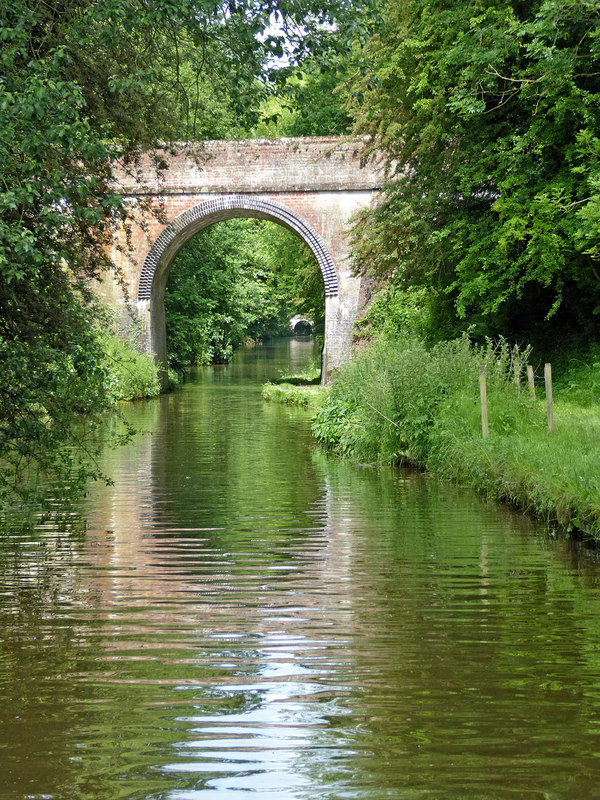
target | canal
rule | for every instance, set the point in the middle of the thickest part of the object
(245, 617)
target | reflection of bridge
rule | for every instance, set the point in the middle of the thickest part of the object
(311, 186)
(301, 325)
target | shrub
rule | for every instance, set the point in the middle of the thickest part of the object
(129, 375)
(382, 407)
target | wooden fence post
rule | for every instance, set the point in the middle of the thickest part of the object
(483, 395)
(531, 381)
(549, 407)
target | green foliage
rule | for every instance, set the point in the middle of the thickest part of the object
(53, 395)
(317, 100)
(310, 96)
(396, 312)
(382, 406)
(239, 280)
(578, 382)
(403, 402)
(296, 273)
(489, 116)
(129, 374)
(294, 394)
(57, 208)
(49, 395)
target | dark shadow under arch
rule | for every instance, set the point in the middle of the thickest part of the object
(206, 213)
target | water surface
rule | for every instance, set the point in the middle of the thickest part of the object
(246, 617)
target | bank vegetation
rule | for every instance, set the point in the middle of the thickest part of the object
(401, 402)
(487, 236)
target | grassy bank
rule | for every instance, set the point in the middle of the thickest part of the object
(294, 394)
(300, 389)
(400, 402)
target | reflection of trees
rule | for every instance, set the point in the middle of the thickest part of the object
(473, 659)
(227, 460)
(379, 620)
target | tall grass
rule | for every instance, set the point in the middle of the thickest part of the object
(291, 394)
(579, 379)
(401, 402)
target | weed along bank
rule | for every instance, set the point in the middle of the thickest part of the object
(457, 410)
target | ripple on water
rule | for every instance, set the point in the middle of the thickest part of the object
(246, 617)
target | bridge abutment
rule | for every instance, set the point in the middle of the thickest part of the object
(312, 186)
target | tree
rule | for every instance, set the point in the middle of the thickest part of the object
(489, 116)
(237, 280)
(316, 99)
(83, 84)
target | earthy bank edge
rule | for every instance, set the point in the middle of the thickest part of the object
(400, 402)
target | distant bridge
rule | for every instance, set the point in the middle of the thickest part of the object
(312, 186)
(301, 325)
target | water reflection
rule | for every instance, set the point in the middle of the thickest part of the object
(247, 617)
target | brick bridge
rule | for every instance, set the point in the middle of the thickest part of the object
(312, 186)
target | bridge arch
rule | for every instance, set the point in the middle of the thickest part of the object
(313, 186)
(301, 325)
(162, 253)
(187, 224)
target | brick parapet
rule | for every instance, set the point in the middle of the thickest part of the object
(253, 165)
